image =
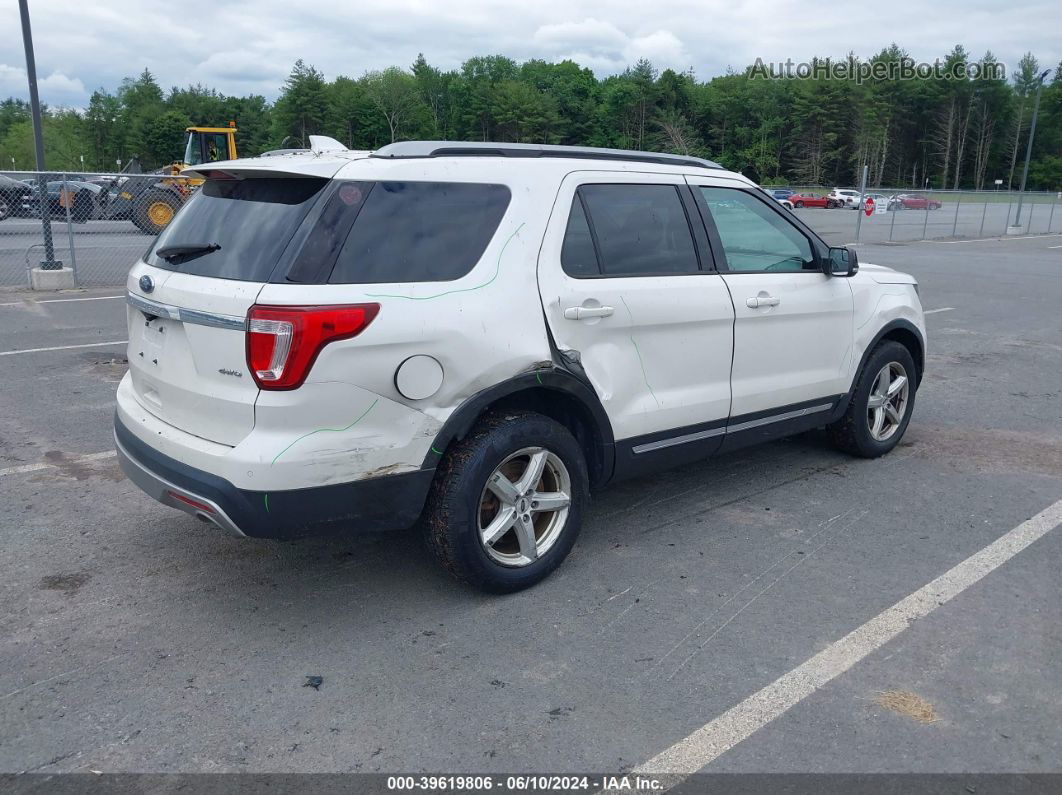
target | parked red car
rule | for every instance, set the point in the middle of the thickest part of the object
(913, 201)
(810, 200)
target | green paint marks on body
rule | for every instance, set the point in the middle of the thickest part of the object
(326, 430)
(437, 452)
(265, 499)
(638, 353)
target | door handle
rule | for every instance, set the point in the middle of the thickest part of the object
(758, 301)
(581, 312)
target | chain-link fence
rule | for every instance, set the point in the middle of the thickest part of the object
(97, 225)
(903, 215)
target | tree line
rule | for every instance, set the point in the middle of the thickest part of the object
(960, 133)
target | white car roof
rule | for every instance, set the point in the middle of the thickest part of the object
(458, 157)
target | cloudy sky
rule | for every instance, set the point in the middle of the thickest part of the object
(249, 47)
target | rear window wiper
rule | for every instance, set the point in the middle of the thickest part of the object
(186, 251)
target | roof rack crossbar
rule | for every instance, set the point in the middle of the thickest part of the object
(418, 149)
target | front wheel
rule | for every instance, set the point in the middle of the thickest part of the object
(880, 408)
(507, 501)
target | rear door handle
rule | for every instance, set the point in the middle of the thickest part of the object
(581, 312)
(758, 301)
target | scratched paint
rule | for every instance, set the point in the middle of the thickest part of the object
(325, 430)
(638, 353)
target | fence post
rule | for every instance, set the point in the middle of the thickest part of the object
(955, 223)
(925, 224)
(859, 207)
(66, 202)
(1032, 209)
(1051, 217)
(892, 221)
(984, 212)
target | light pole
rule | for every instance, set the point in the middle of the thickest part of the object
(49, 262)
(1028, 149)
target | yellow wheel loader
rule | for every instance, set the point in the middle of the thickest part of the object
(151, 200)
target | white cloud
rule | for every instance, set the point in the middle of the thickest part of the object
(249, 45)
(606, 48)
(589, 35)
(55, 89)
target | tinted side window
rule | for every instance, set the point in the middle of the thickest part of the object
(640, 229)
(578, 257)
(754, 237)
(420, 232)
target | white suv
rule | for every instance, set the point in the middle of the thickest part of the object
(479, 335)
(841, 197)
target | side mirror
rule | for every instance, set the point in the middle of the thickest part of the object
(843, 261)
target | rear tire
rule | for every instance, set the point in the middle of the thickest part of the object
(486, 519)
(799, 205)
(881, 406)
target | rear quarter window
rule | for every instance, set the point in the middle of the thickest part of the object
(419, 232)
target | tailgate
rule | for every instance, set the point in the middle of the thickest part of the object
(187, 357)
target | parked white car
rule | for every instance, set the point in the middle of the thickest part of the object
(843, 197)
(480, 335)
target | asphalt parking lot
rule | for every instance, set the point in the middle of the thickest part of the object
(968, 218)
(135, 638)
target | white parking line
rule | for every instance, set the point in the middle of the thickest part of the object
(47, 465)
(63, 347)
(64, 300)
(987, 239)
(715, 738)
(934, 311)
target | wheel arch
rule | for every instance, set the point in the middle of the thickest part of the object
(553, 392)
(907, 334)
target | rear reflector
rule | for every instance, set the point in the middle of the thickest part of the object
(199, 506)
(283, 341)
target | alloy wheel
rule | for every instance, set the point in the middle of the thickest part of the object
(889, 398)
(524, 507)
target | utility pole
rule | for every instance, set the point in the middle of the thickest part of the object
(49, 262)
(1028, 148)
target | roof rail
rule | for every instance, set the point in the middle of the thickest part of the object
(415, 149)
(278, 152)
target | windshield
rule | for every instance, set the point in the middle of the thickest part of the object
(250, 221)
(191, 151)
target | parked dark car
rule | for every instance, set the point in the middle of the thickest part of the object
(84, 200)
(12, 193)
(781, 193)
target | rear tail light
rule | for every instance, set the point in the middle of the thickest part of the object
(283, 341)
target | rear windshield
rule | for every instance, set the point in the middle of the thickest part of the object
(249, 220)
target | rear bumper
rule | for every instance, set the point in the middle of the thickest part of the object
(391, 502)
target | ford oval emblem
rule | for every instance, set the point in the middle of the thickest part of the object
(147, 284)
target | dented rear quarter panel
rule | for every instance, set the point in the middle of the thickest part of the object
(483, 328)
